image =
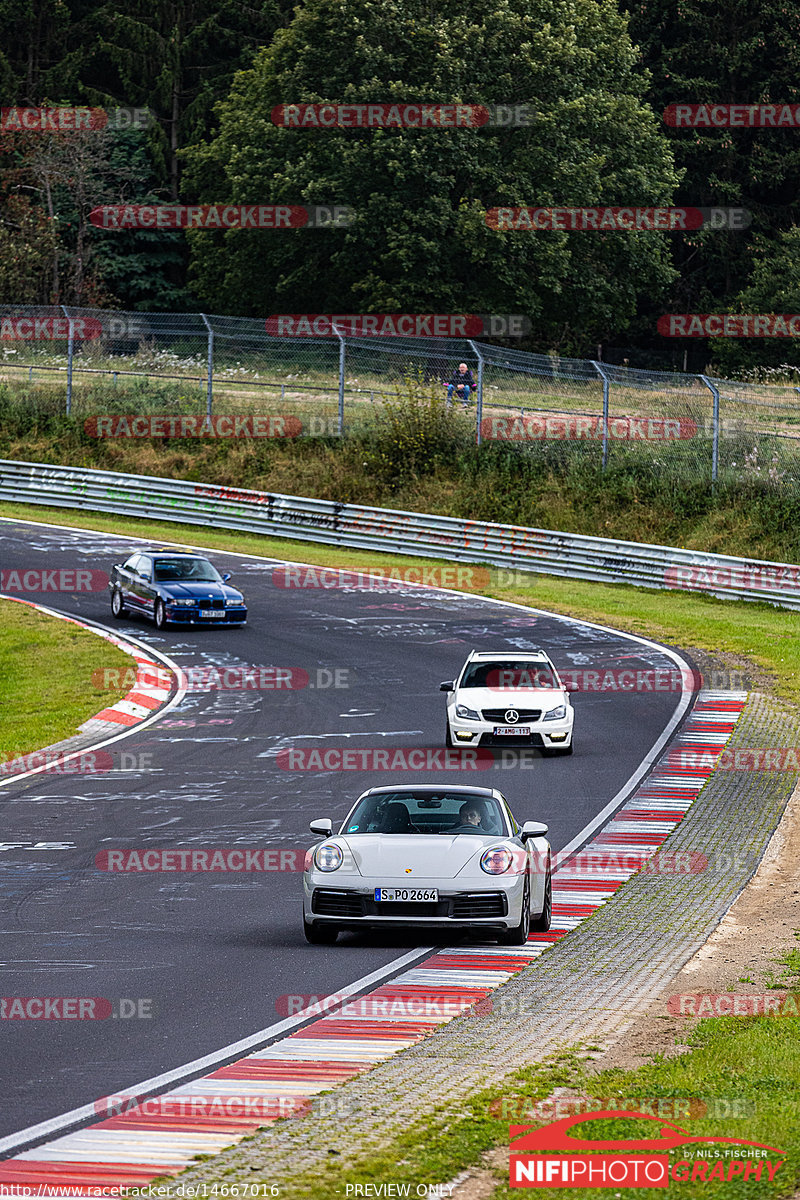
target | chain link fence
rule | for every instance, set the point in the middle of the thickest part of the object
(193, 373)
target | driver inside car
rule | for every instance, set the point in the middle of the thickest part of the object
(470, 820)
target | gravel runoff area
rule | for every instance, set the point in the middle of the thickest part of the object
(591, 987)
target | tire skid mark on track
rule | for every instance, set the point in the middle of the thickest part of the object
(135, 1147)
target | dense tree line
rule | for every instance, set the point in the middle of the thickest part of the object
(599, 75)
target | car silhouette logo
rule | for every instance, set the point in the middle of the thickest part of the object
(512, 715)
(408, 870)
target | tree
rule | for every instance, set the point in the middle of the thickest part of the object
(421, 243)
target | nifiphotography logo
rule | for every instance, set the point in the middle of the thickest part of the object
(589, 1162)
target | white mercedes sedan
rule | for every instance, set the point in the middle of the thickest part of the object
(509, 698)
(429, 857)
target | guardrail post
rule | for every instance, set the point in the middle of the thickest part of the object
(479, 395)
(606, 392)
(715, 431)
(341, 380)
(210, 381)
(70, 351)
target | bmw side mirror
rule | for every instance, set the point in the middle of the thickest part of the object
(532, 829)
(226, 577)
(323, 827)
(446, 687)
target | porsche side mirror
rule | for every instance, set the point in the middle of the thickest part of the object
(447, 686)
(323, 827)
(532, 829)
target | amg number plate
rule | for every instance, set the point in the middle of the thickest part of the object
(512, 730)
(386, 895)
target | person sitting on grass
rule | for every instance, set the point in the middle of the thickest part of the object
(462, 383)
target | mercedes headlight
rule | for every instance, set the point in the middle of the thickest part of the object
(467, 714)
(556, 714)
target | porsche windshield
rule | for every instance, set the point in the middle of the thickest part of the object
(193, 570)
(426, 812)
(509, 675)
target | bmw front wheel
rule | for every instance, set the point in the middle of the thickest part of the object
(117, 604)
(160, 614)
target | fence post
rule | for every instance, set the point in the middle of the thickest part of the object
(715, 431)
(341, 380)
(606, 390)
(479, 395)
(210, 381)
(70, 350)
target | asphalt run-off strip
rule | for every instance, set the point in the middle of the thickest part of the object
(142, 703)
(596, 976)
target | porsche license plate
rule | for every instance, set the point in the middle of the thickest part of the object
(389, 895)
(512, 730)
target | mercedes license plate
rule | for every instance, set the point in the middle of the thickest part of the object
(512, 730)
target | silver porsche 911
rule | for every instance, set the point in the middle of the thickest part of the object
(431, 856)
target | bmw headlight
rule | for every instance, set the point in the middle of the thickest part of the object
(328, 857)
(180, 603)
(467, 714)
(556, 714)
(496, 861)
(237, 603)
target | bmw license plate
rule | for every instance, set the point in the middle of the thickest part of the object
(512, 730)
(387, 895)
(213, 614)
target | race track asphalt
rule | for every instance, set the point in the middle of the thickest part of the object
(212, 953)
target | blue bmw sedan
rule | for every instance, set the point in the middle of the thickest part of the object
(175, 587)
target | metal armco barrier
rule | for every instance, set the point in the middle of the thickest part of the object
(508, 546)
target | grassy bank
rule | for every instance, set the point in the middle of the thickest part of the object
(647, 494)
(46, 688)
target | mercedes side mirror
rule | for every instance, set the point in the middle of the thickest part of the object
(447, 686)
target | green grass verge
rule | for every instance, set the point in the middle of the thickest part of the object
(754, 633)
(46, 688)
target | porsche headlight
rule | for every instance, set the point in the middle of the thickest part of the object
(496, 861)
(466, 714)
(328, 857)
(556, 714)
